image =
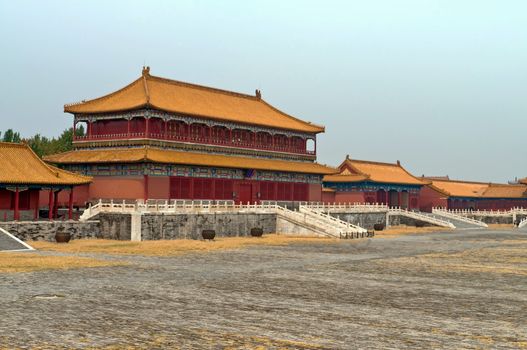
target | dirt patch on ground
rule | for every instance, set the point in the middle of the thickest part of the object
(406, 230)
(173, 247)
(500, 226)
(28, 262)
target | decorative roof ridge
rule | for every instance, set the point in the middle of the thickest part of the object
(129, 86)
(201, 87)
(463, 181)
(398, 164)
(492, 184)
(145, 75)
(12, 144)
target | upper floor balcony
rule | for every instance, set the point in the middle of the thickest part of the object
(197, 133)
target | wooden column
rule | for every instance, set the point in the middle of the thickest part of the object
(50, 204)
(147, 131)
(128, 120)
(166, 129)
(89, 125)
(399, 194)
(70, 205)
(37, 202)
(16, 213)
(55, 204)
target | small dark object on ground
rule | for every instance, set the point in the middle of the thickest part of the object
(208, 234)
(257, 232)
(62, 237)
(378, 227)
(371, 233)
(419, 224)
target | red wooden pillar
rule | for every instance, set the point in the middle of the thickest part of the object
(35, 216)
(50, 204)
(16, 213)
(166, 129)
(128, 122)
(147, 131)
(55, 204)
(90, 127)
(230, 136)
(70, 205)
(399, 199)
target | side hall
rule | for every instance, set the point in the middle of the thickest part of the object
(360, 181)
(25, 181)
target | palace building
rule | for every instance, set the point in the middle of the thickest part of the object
(360, 181)
(454, 194)
(164, 139)
(25, 178)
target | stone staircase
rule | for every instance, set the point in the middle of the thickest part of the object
(460, 221)
(332, 225)
(425, 217)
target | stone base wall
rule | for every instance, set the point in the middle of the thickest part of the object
(46, 230)
(396, 220)
(115, 226)
(364, 220)
(189, 226)
(497, 219)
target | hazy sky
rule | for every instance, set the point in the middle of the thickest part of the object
(440, 85)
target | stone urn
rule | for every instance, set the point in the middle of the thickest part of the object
(208, 234)
(257, 232)
(378, 227)
(62, 237)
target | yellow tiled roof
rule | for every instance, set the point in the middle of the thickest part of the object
(505, 191)
(472, 189)
(157, 155)
(21, 166)
(362, 170)
(179, 97)
(460, 188)
(345, 178)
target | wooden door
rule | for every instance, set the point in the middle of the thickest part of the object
(245, 193)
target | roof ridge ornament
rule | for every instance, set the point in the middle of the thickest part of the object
(258, 94)
(146, 71)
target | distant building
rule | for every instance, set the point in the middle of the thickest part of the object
(453, 194)
(24, 177)
(360, 181)
(164, 139)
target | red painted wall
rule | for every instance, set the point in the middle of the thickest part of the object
(349, 197)
(117, 187)
(315, 193)
(158, 187)
(429, 198)
(165, 187)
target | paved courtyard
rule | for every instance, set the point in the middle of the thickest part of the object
(464, 289)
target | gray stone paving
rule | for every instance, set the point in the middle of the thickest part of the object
(348, 295)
